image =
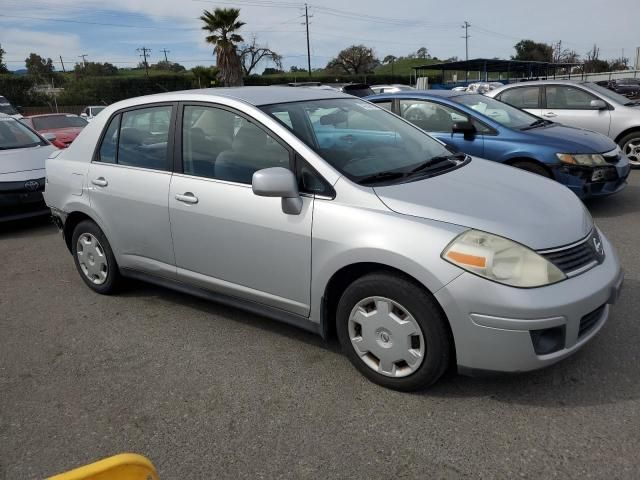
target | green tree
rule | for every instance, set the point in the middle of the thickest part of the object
(593, 63)
(422, 52)
(3, 66)
(205, 76)
(354, 60)
(38, 66)
(533, 51)
(95, 69)
(222, 25)
(168, 66)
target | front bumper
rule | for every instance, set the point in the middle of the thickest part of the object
(17, 201)
(589, 182)
(492, 323)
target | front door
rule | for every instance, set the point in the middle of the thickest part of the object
(227, 239)
(129, 186)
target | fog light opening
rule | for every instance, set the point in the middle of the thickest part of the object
(548, 340)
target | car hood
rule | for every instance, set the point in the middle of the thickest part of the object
(24, 159)
(572, 140)
(495, 198)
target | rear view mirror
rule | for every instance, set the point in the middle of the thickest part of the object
(466, 128)
(278, 182)
(598, 104)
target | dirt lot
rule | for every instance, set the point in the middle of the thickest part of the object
(211, 392)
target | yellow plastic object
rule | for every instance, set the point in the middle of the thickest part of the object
(126, 466)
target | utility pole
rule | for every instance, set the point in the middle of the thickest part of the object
(306, 18)
(62, 63)
(165, 51)
(466, 49)
(84, 59)
(145, 51)
(466, 38)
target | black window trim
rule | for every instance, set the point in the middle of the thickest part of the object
(95, 158)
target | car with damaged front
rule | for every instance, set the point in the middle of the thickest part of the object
(588, 163)
(327, 212)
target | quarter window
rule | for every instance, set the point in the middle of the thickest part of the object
(568, 98)
(521, 97)
(217, 143)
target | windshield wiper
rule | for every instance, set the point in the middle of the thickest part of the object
(536, 123)
(438, 159)
(382, 176)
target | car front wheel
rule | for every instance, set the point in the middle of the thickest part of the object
(94, 258)
(630, 145)
(393, 332)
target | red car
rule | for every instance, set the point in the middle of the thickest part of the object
(64, 126)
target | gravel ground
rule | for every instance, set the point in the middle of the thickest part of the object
(207, 391)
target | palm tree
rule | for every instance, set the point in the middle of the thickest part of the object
(222, 24)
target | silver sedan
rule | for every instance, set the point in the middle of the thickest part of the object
(325, 211)
(580, 104)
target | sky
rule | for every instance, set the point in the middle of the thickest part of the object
(112, 30)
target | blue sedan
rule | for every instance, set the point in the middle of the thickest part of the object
(589, 163)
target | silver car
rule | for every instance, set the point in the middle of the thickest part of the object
(327, 212)
(580, 104)
(23, 153)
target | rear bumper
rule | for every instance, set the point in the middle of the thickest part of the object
(492, 324)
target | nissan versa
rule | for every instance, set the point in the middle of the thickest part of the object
(327, 212)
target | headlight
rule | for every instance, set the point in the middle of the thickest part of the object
(501, 260)
(587, 160)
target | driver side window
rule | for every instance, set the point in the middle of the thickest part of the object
(429, 116)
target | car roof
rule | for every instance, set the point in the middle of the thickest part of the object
(258, 96)
(421, 94)
(52, 115)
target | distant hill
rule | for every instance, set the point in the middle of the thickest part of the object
(404, 66)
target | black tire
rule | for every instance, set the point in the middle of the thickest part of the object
(532, 167)
(421, 305)
(113, 278)
(625, 140)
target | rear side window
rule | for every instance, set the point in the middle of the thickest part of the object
(138, 138)
(521, 97)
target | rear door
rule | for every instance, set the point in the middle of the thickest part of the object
(572, 106)
(438, 119)
(129, 187)
(525, 98)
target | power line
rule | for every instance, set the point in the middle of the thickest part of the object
(165, 51)
(145, 51)
(306, 21)
(466, 38)
(84, 59)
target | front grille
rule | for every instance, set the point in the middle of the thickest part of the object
(577, 257)
(589, 320)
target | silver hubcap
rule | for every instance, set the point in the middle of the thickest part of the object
(92, 259)
(632, 150)
(386, 337)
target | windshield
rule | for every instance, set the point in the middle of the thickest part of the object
(58, 121)
(497, 111)
(359, 139)
(14, 134)
(608, 94)
(8, 109)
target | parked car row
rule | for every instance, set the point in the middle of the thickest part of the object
(419, 256)
(629, 87)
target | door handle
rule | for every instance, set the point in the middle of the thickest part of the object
(100, 181)
(549, 114)
(187, 197)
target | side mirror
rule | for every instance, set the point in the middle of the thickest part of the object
(50, 137)
(278, 182)
(84, 115)
(466, 128)
(598, 104)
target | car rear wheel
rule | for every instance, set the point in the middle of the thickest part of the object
(630, 145)
(94, 258)
(393, 332)
(532, 167)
